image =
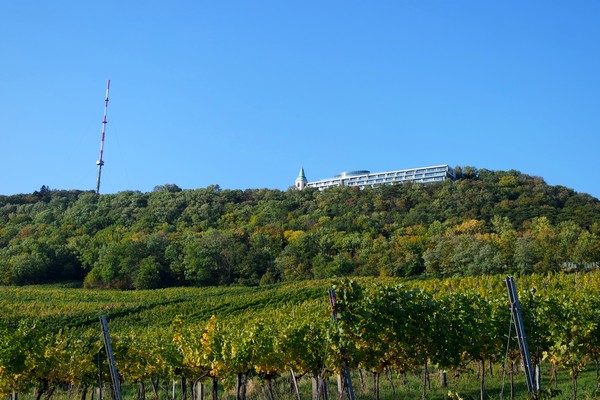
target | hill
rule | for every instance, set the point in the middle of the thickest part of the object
(484, 222)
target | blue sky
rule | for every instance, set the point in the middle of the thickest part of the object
(243, 93)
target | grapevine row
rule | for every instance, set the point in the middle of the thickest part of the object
(382, 325)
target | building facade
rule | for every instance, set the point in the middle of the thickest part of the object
(363, 178)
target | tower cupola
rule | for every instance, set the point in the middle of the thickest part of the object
(301, 180)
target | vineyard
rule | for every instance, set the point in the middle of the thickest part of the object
(280, 341)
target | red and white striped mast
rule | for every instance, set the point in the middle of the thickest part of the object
(100, 163)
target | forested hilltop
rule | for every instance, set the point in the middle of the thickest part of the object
(485, 222)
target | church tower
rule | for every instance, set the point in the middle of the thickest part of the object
(301, 180)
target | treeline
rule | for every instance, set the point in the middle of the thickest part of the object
(484, 222)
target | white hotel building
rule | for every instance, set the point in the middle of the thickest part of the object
(364, 178)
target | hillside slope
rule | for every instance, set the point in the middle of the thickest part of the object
(484, 222)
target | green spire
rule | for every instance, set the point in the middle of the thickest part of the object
(301, 177)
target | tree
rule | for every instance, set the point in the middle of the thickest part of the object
(148, 275)
(169, 188)
(213, 257)
(546, 245)
(586, 250)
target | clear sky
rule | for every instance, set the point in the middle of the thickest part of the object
(244, 93)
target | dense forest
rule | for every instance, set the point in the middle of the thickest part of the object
(484, 222)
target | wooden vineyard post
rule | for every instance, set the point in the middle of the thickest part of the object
(116, 385)
(515, 308)
(346, 371)
(215, 388)
(199, 390)
(98, 390)
(295, 383)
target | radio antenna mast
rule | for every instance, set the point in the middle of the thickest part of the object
(100, 163)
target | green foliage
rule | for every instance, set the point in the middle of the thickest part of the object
(485, 222)
(383, 326)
